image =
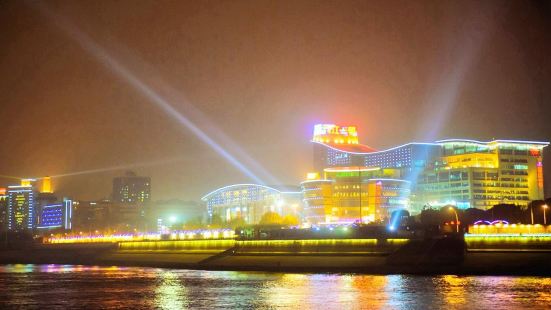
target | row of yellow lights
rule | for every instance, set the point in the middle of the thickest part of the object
(101, 238)
(209, 234)
(508, 228)
(215, 234)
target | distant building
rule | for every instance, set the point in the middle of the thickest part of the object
(43, 199)
(46, 185)
(547, 171)
(126, 211)
(21, 207)
(131, 189)
(106, 216)
(3, 209)
(251, 201)
(88, 216)
(56, 216)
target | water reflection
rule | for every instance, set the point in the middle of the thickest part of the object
(454, 289)
(366, 286)
(67, 286)
(170, 293)
(287, 290)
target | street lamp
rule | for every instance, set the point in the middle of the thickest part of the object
(532, 212)
(360, 188)
(544, 211)
(456, 219)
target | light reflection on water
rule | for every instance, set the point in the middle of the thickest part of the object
(68, 286)
(170, 293)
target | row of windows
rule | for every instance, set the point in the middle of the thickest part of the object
(500, 198)
(493, 191)
(514, 160)
(513, 152)
(506, 185)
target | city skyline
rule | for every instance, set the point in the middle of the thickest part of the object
(257, 95)
(275, 154)
(354, 147)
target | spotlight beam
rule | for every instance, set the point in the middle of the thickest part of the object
(88, 44)
(115, 168)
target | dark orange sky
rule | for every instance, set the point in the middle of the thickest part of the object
(261, 73)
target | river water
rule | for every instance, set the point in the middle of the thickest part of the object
(93, 287)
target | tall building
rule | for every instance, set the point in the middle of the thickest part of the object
(127, 210)
(251, 201)
(465, 173)
(46, 185)
(21, 204)
(3, 209)
(547, 171)
(131, 189)
(44, 197)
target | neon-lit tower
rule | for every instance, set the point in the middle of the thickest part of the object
(46, 185)
(3, 209)
(337, 146)
(21, 204)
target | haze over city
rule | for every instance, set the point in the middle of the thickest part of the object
(256, 76)
(275, 154)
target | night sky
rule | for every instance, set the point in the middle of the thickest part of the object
(256, 76)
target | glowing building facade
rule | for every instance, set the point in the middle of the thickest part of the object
(21, 203)
(55, 216)
(251, 201)
(3, 209)
(475, 174)
(46, 185)
(465, 173)
(354, 194)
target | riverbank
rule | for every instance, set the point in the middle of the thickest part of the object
(369, 256)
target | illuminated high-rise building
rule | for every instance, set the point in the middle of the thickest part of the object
(410, 158)
(46, 185)
(44, 197)
(21, 204)
(465, 173)
(131, 189)
(3, 209)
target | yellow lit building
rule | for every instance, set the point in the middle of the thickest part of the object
(46, 185)
(482, 174)
(460, 172)
(3, 209)
(333, 134)
(347, 194)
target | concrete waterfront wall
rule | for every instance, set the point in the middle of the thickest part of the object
(446, 255)
(508, 242)
(336, 246)
(290, 255)
(177, 245)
